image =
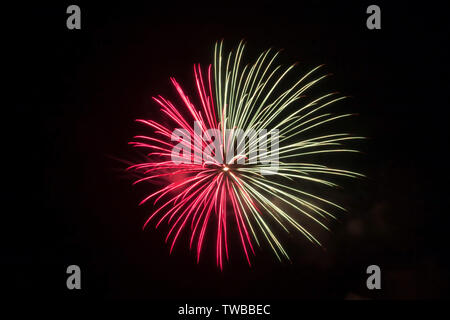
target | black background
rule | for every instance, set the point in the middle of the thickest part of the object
(69, 109)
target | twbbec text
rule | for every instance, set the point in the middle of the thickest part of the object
(226, 309)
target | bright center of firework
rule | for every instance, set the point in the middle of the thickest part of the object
(225, 168)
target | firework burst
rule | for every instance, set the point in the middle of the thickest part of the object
(213, 189)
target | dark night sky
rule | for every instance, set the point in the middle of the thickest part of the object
(72, 100)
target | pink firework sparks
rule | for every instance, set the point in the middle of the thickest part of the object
(202, 190)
